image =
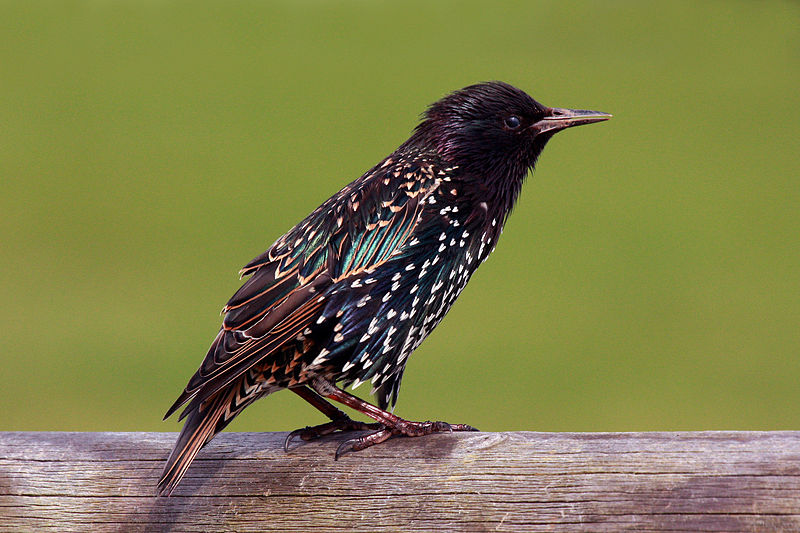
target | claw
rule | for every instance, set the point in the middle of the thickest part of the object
(343, 448)
(365, 441)
(291, 436)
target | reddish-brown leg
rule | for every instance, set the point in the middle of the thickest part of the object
(339, 420)
(391, 424)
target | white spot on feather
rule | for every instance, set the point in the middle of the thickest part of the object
(318, 360)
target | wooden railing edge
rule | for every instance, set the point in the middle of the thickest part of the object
(516, 481)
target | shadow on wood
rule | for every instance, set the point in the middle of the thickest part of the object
(706, 481)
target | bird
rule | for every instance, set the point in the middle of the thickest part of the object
(347, 294)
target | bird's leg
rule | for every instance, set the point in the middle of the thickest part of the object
(339, 420)
(390, 424)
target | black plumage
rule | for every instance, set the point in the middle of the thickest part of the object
(347, 294)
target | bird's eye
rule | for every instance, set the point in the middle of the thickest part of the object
(513, 122)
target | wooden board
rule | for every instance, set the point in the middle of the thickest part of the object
(706, 481)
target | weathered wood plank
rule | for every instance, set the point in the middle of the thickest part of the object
(706, 481)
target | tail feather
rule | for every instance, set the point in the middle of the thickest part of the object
(201, 425)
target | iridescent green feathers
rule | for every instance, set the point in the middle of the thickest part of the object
(350, 235)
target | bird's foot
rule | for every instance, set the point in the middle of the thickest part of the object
(344, 423)
(404, 428)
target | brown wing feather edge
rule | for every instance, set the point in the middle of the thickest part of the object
(283, 332)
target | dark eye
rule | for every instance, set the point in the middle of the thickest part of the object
(513, 122)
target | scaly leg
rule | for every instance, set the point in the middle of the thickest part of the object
(389, 424)
(339, 420)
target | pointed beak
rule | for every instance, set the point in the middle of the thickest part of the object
(558, 119)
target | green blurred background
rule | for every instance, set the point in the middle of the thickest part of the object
(648, 280)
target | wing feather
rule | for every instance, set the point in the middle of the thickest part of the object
(356, 230)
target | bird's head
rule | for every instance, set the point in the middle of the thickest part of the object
(494, 130)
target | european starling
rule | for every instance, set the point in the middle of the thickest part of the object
(346, 295)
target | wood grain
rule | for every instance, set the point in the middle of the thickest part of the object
(705, 481)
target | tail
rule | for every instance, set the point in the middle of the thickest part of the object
(205, 421)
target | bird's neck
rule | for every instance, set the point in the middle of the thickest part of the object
(497, 196)
(497, 181)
